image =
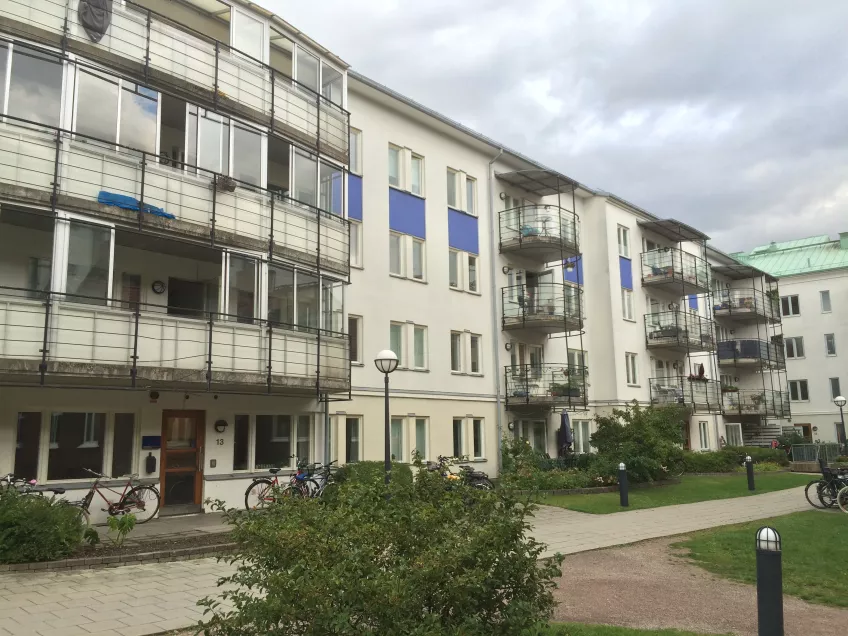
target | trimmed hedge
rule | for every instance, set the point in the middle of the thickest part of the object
(372, 471)
(727, 460)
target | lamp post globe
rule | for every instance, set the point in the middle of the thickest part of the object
(386, 361)
(840, 401)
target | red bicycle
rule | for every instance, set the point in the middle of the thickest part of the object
(142, 501)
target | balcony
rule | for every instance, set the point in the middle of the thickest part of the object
(74, 340)
(765, 403)
(679, 331)
(174, 58)
(51, 167)
(544, 233)
(751, 352)
(701, 395)
(544, 308)
(745, 305)
(675, 271)
(547, 385)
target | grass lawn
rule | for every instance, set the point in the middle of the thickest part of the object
(573, 629)
(815, 554)
(691, 489)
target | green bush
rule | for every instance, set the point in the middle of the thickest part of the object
(760, 454)
(372, 471)
(710, 462)
(415, 559)
(767, 467)
(527, 469)
(34, 528)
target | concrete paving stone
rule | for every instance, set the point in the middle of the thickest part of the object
(95, 614)
(103, 626)
(138, 630)
(143, 619)
(71, 621)
(168, 625)
(65, 631)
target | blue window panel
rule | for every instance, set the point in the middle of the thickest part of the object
(625, 266)
(462, 232)
(354, 197)
(576, 275)
(693, 302)
(406, 213)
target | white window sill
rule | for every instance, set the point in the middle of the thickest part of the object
(458, 372)
(796, 358)
(629, 320)
(360, 267)
(830, 355)
(476, 375)
(399, 189)
(423, 281)
(357, 364)
(456, 289)
(634, 386)
(421, 370)
(799, 401)
(393, 275)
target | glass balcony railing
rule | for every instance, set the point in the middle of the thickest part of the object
(702, 395)
(767, 403)
(547, 231)
(751, 352)
(675, 270)
(546, 307)
(679, 330)
(745, 305)
(548, 384)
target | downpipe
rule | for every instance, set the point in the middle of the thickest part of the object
(496, 357)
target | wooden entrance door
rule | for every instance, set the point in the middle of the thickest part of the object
(181, 472)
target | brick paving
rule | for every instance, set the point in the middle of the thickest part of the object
(139, 600)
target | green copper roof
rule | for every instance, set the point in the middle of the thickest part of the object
(801, 256)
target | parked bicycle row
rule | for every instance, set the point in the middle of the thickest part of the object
(830, 490)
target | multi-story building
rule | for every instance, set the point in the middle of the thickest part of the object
(209, 226)
(813, 276)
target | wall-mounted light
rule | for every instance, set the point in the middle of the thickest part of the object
(503, 196)
(508, 346)
(569, 266)
(506, 269)
(511, 426)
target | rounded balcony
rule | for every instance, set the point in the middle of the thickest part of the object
(544, 308)
(543, 233)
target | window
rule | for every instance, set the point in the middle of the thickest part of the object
(354, 330)
(332, 305)
(627, 304)
(734, 434)
(630, 365)
(576, 358)
(416, 185)
(421, 436)
(798, 391)
(830, 344)
(458, 441)
(97, 106)
(789, 306)
(76, 442)
(40, 270)
(307, 70)
(241, 291)
(130, 291)
(305, 178)
(704, 432)
(241, 442)
(794, 347)
(452, 185)
(649, 246)
(89, 263)
(396, 341)
(394, 166)
(471, 196)
(351, 439)
(825, 301)
(395, 255)
(396, 439)
(331, 189)
(280, 295)
(35, 86)
(475, 353)
(26, 443)
(456, 351)
(249, 36)
(472, 273)
(623, 241)
(356, 151)
(533, 432)
(355, 244)
(332, 84)
(273, 441)
(453, 268)
(123, 440)
(419, 338)
(247, 157)
(477, 438)
(835, 391)
(418, 259)
(582, 436)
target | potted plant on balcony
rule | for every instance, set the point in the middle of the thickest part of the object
(729, 388)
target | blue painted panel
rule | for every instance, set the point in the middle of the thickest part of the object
(462, 232)
(625, 265)
(576, 275)
(406, 213)
(354, 197)
(693, 302)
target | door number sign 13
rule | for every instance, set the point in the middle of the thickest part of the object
(219, 441)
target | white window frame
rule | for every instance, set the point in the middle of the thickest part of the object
(476, 259)
(425, 453)
(579, 428)
(355, 243)
(624, 241)
(736, 427)
(457, 196)
(402, 357)
(830, 339)
(359, 345)
(413, 157)
(627, 310)
(401, 254)
(463, 444)
(343, 436)
(459, 278)
(266, 40)
(356, 154)
(789, 305)
(836, 385)
(414, 240)
(482, 453)
(794, 340)
(61, 252)
(525, 429)
(400, 173)
(470, 196)
(825, 294)
(426, 362)
(704, 435)
(631, 363)
(404, 456)
(460, 369)
(798, 385)
(471, 338)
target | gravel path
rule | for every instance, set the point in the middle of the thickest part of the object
(646, 586)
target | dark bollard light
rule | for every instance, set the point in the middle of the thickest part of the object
(749, 468)
(623, 485)
(769, 583)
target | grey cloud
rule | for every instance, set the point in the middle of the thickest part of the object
(728, 115)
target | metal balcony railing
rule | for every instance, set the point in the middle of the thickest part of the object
(675, 270)
(750, 351)
(173, 57)
(702, 395)
(548, 232)
(745, 305)
(757, 402)
(55, 339)
(547, 384)
(679, 330)
(79, 173)
(547, 307)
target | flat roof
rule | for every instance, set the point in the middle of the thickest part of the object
(674, 230)
(741, 272)
(539, 181)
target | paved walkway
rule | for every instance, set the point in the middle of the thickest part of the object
(148, 599)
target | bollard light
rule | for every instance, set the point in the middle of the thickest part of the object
(768, 540)
(748, 459)
(769, 582)
(623, 486)
(621, 466)
(749, 469)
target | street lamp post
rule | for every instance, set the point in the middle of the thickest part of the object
(840, 401)
(387, 362)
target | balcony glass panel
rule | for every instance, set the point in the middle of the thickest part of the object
(703, 394)
(679, 329)
(531, 226)
(757, 402)
(750, 350)
(672, 265)
(545, 383)
(743, 304)
(557, 306)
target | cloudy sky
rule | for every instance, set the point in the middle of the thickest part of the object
(731, 115)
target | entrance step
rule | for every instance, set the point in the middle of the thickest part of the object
(182, 509)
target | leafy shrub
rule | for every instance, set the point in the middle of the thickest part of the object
(760, 454)
(710, 462)
(767, 467)
(842, 459)
(36, 528)
(372, 471)
(121, 526)
(527, 469)
(415, 559)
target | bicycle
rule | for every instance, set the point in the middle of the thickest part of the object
(467, 475)
(827, 488)
(315, 487)
(26, 486)
(842, 499)
(264, 491)
(142, 501)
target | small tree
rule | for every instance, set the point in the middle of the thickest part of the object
(427, 557)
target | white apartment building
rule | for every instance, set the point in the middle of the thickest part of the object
(209, 227)
(813, 275)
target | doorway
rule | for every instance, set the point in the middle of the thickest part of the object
(806, 431)
(181, 471)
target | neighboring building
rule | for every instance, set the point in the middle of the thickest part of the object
(813, 276)
(209, 227)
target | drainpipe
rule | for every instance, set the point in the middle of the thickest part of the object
(496, 357)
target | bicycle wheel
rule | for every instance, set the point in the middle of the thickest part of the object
(293, 492)
(483, 484)
(259, 494)
(842, 499)
(811, 492)
(827, 494)
(142, 501)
